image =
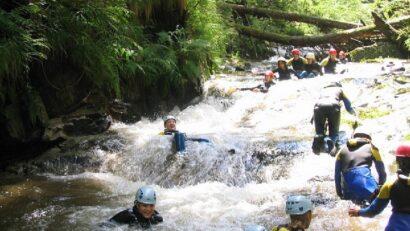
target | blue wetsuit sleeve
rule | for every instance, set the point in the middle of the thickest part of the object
(381, 171)
(377, 206)
(338, 179)
(348, 105)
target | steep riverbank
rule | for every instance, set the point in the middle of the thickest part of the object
(86, 180)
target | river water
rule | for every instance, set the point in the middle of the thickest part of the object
(210, 188)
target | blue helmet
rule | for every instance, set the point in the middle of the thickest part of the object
(255, 228)
(146, 195)
(298, 205)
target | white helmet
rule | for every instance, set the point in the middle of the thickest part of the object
(146, 195)
(281, 59)
(255, 228)
(169, 117)
(310, 55)
(298, 205)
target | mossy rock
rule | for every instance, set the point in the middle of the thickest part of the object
(374, 53)
(372, 113)
(403, 90)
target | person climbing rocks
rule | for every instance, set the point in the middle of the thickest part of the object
(170, 125)
(353, 177)
(343, 57)
(297, 62)
(267, 83)
(143, 213)
(283, 71)
(329, 63)
(300, 210)
(312, 68)
(255, 228)
(327, 109)
(396, 191)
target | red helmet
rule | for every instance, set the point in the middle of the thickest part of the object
(270, 74)
(295, 52)
(403, 150)
(332, 51)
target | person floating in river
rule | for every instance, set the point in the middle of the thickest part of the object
(353, 177)
(143, 213)
(343, 57)
(300, 210)
(283, 71)
(297, 62)
(170, 125)
(329, 63)
(312, 68)
(397, 191)
(327, 108)
(267, 83)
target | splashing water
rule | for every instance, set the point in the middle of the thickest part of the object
(211, 187)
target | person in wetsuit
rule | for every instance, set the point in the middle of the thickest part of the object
(327, 108)
(353, 177)
(330, 62)
(312, 68)
(297, 62)
(264, 88)
(143, 213)
(343, 57)
(396, 191)
(300, 210)
(283, 71)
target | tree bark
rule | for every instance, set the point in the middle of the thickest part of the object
(391, 33)
(345, 36)
(276, 14)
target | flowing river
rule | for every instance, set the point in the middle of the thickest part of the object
(259, 154)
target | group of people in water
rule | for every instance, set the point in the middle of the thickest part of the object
(353, 177)
(300, 67)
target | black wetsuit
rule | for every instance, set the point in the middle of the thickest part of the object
(329, 65)
(134, 218)
(297, 65)
(328, 108)
(285, 74)
(262, 87)
(314, 68)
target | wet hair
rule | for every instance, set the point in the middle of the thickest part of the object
(404, 165)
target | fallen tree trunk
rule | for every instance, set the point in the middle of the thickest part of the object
(276, 14)
(345, 36)
(391, 33)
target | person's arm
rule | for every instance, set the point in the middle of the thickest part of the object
(289, 62)
(295, 73)
(378, 162)
(377, 206)
(324, 62)
(124, 217)
(338, 177)
(304, 60)
(348, 104)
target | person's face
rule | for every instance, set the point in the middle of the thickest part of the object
(147, 211)
(295, 56)
(267, 78)
(282, 65)
(171, 125)
(310, 61)
(333, 56)
(301, 221)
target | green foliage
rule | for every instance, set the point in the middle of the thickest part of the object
(372, 113)
(374, 53)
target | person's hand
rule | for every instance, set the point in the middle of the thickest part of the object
(354, 212)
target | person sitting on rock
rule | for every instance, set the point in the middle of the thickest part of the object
(170, 125)
(353, 177)
(283, 71)
(312, 68)
(143, 213)
(300, 210)
(327, 108)
(267, 83)
(255, 228)
(330, 62)
(297, 62)
(397, 191)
